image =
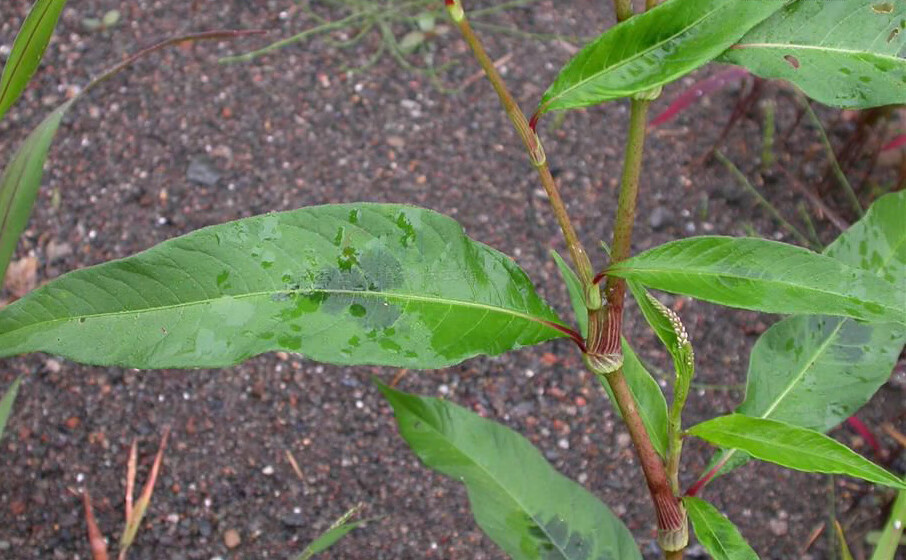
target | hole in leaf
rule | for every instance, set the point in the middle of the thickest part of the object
(893, 34)
(794, 62)
(882, 8)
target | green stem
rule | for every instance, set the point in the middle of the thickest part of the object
(744, 182)
(615, 288)
(675, 428)
(623, 9)
(893, 530)
(835, 165)
(672, 528)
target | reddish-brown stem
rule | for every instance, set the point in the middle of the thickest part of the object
(708, 477)
(532, 145)
(576, 337)
(667, 508)
(191, 37)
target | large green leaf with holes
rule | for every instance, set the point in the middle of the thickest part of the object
(351, 284)
(765, 276)
(845, 53)
(523, 504)
(815, 371)
(653, 48)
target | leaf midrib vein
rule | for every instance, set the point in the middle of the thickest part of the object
(361, 293)
(771, 282)
(838, 50)
(637, 56)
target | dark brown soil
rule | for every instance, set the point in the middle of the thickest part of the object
(293, 129)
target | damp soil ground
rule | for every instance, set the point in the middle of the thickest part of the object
(180, 142)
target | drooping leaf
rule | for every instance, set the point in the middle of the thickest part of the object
(790, 446)
(351, 284)
(766, 276)
(525, 506)
(20, 182)
(28, 49)
(648, 395)
(6, 403)
(716, 533)
(653, 48)
(845, 53)
(21, 178)
(815, 371)
(576, 293)
(845, 553)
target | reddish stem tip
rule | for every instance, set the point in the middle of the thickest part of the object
(597, 279)
(533, 122)
(450, 2)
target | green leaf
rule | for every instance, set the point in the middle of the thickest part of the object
(21, 181)
(33, 37)
(350, 284)
(525, 506)
(338, 529)
(889, 539)
(791, 446)
(6, 403)
(653, 48)
(716, 533)
(815, 371)
(576, 293)
(845, 53)
(877, 242)
(766, 276)
(648, 395)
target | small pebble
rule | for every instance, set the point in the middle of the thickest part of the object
(268, 470)
(778, 527)
(231, 538)
(660, 218)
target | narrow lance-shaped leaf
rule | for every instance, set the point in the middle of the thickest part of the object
(648, 395)
(716, 533)
(845, 53)
(575, 291)
(20, 182)
(766, 276)
(337, 530)
(791, 446)
(815, 371)
(889, 539)
(653, 48)
(21, 178)
(525, 506)
(6, 403)
(28, 49)
(352, 284)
